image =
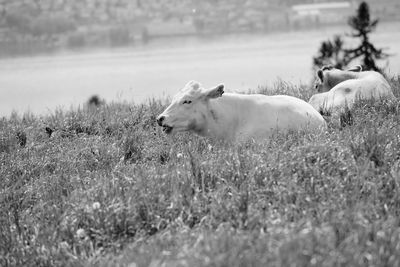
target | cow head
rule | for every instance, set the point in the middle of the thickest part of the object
(328, 77)
(189, 108)
(321, 81)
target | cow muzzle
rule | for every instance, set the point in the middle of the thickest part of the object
(166, 128)
(160, 120)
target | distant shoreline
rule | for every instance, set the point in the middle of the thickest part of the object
(32, 49)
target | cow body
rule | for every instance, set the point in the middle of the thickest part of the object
(341, 89)
(236, 116)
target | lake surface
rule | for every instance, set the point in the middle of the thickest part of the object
(41, 84)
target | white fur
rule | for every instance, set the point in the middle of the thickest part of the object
(230, 116)
(343, 88)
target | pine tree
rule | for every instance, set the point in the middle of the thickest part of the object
(333, 52)
(362, 26)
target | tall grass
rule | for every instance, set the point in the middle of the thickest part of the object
(103, 186)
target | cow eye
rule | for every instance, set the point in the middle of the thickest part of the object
(187, 102)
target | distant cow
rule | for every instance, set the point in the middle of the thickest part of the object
(236, 117)
(340, 89)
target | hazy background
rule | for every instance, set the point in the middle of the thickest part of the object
(58, 53)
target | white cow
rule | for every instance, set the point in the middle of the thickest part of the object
(236, 117)
(341, 89)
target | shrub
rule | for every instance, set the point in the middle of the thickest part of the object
(51, 25)
(119, 36)
(76, 40)
(19, 21)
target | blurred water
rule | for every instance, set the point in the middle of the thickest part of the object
(42, 83)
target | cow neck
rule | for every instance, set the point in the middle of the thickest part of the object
(222, 115)
(344, 77)
(213, 113)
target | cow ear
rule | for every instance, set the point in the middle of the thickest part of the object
(320, 74)
(356, 68)
(327, 67)
(215, 92)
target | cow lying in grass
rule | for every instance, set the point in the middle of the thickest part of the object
(339, 90)
(236, 117)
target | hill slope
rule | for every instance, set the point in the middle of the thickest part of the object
(105, 187)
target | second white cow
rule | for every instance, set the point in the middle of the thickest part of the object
(341, 89)
(236, 117)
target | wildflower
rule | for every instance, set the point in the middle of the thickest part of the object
(80, 233)
(63, 245)
(96, 205)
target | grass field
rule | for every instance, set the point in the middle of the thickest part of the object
(103, 186)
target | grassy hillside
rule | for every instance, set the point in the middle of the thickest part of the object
(105, 187)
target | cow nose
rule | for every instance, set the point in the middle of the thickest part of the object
(160, 119)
